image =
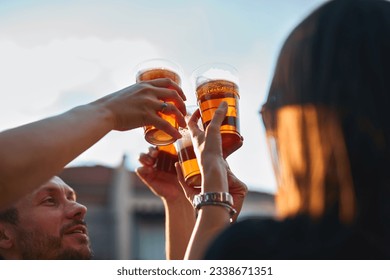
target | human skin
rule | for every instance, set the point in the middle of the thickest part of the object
(50, 225)
(31, 154)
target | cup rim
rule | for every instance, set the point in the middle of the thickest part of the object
(158, 63)
(163, 64)
(226, 67)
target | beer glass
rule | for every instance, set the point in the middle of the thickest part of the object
(155, 69)
(215, 83)
(166, 158)
(186, 154)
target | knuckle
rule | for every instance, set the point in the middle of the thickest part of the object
(168, 81)
(144, 88)
(172, 95)
(144, 84)
(172, 91)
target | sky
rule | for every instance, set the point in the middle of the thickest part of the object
(58, 54)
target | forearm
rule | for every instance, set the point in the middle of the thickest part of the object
(179, 223)
(33, 153)
(212, 219)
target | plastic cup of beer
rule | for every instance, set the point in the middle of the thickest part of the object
(166, 158)
(186, 154)
(215, 83)
(155, 69)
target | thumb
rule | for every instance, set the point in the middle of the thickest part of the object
(219, 115)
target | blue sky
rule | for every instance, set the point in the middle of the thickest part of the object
(55, 55)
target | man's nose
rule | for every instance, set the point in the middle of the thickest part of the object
(76, 210)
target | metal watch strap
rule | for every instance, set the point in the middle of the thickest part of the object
(224, 199)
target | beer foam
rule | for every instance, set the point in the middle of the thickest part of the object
(216, 74)
(185, 141)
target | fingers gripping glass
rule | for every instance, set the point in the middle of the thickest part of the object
(214, 83)
(155, 69)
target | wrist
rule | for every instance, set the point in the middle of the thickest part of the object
(105, 114)
(214, 180)
(215, 199)
(180, 209)
(177, 203)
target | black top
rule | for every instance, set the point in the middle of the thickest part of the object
(295, 238)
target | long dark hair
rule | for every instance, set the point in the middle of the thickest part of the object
(332, 88)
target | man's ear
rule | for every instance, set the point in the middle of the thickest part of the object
(6, 236)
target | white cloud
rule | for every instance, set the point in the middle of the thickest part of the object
(34, 78)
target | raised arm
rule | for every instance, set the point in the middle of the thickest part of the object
(31, 154)
(216, 177)
(179, 213)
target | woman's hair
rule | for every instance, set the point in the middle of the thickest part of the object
(328, 112)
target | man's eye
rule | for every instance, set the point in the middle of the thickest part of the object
(49, 200)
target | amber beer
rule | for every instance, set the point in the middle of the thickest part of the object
(209, 95)
(187, 159)
(166, 158)
(152, 134)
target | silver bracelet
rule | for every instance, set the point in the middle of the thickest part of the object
(232, 211)
(224, 199)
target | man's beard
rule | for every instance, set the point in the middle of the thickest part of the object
(40, 246)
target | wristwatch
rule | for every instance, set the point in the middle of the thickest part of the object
(224, 199)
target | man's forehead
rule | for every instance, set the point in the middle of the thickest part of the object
(54, 184)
